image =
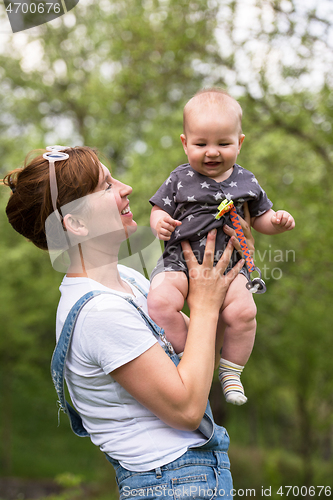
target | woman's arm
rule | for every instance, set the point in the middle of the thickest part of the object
(178, 395)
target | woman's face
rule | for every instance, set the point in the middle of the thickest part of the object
(109, 210)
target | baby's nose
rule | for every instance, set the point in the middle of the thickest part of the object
(212, 151)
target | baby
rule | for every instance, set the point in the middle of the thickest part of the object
(184, 208)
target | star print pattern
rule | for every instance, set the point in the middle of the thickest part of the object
(166, 201)
(260, 213)
(168, 268)
(194, 198)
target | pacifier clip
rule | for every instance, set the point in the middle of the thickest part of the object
(257, 285)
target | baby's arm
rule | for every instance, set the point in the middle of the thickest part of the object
(273, 222)
(162, 223)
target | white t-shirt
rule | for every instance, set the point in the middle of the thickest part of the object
(109, 333)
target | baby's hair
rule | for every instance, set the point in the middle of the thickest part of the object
(215, 96)
(30, 202)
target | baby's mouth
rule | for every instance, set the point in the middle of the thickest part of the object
(212, 163)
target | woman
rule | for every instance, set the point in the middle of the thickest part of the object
(143, 408)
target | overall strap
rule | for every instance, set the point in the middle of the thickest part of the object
(150, 323)
(58, 363)
(61, 350)
(134, 283)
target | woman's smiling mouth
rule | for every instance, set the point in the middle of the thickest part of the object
(126, 210)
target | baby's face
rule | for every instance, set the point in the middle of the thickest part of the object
(212, 141)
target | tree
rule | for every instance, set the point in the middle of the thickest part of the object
(116, 75)
(103, 75)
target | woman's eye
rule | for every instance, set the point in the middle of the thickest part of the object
(109, 186)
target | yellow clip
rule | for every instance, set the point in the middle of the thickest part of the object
(224, 207)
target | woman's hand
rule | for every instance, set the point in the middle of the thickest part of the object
(207, 284)
(246, 226)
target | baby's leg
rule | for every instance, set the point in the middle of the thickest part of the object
(166, 297)
(238, 320)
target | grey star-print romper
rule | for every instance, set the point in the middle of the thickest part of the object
(193, 199)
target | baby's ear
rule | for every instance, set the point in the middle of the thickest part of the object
(240, 141)
(184, 142)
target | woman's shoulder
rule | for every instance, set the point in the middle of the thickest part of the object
(128, 272)
(73, 289)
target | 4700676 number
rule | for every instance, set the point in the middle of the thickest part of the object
(34, 8)
(304, 491)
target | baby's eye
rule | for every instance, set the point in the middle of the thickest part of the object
(201, 144)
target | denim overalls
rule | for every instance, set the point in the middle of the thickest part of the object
(202, 472)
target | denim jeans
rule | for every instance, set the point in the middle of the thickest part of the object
(198, 474)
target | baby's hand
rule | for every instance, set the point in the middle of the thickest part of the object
(166, 226)
(283, 221)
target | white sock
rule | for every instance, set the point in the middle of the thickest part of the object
(229, 375)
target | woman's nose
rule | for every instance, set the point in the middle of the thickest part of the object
(125, 190)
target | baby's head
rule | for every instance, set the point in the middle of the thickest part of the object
(212, 136)
(208, 103)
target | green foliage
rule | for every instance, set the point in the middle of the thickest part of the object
(115, 75)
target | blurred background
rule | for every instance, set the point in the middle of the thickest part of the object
(115, 75)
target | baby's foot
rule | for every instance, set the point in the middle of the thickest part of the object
(229, 375)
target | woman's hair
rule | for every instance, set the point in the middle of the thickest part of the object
(30, 203)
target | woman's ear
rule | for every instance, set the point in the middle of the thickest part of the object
(75, 225)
